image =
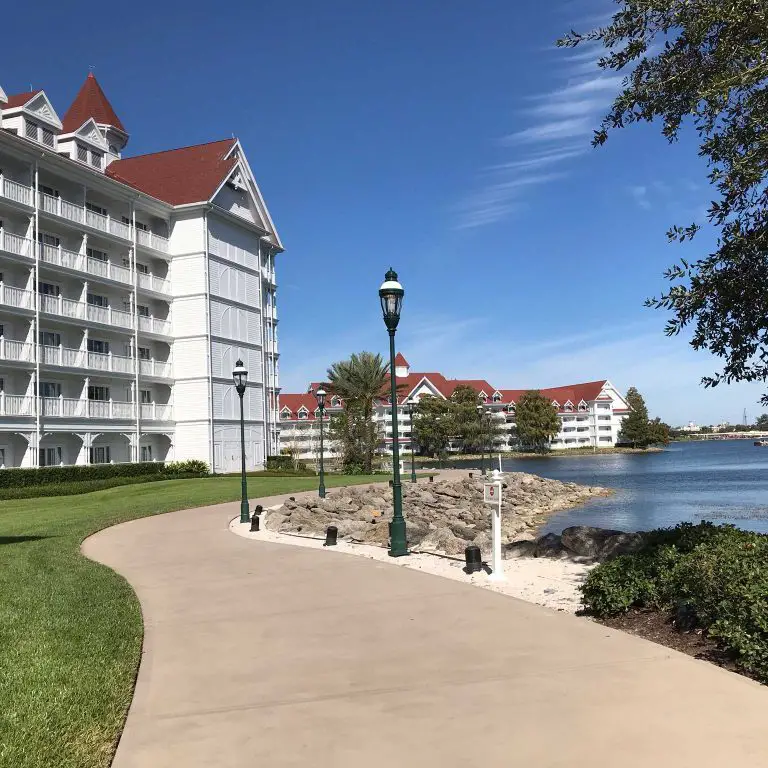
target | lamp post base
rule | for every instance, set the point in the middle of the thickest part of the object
(245, 516)
(398, 546)
(321, 491)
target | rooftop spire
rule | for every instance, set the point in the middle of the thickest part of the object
(91, 102)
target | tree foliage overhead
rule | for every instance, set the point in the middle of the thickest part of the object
(705, 61)
(637, 428)
(359, 381)
(537, 420)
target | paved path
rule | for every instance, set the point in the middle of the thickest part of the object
(262, 654)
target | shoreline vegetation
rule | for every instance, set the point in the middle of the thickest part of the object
(564, 454)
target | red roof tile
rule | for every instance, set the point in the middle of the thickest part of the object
(177, 176)
(19, 99)
(90, 102)
(573, 392)
(294, 402)
(401, 361)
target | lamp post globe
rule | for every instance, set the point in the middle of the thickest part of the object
(320, 396)
(391, 297)
(240, 377)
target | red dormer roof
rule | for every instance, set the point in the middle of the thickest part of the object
(295, 402)
(400, 361)
(479, 385)
(19, 99)
(574, 392)
(178, 176)
(90, 102)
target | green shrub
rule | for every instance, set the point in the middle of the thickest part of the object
(284, 462)
(81, 486)
(718, 574)
(38, 476)
(188, 467)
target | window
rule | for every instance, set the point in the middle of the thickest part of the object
(96, 158)
(146, 396)
(30, 130)
(49, 389)
(568, 407)
(303, 413)
(96, 209)
(48, 289)
(82, 153)
(46, 137)
(143, 310)
(94, 253)
(496, 397)
(100, 454)
(146, 453)
(605, 429)
(97, 301)
(145, 353)
(603, 406)
(50, 191)
(99, 346)
(45, 239)
(50, 339)
(2, 458)
(49, 457)
(2, 330)
(143, 268)
(98, 392)
(603, 418)
(142, 227)
(605, 440)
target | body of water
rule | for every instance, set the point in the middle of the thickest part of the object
(723, 481)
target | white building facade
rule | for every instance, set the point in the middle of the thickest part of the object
(128, 289)
(591, 414)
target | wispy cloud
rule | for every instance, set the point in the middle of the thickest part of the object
(559, 126)
(640, 196)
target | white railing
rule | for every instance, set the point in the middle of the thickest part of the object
(72, 212)
(15, 244)
(155, 368)
(55, 254)
(15, 191)
(109, 316)
(109, 270)
(151, 240)
(63, 407)
(154, 325)
(153, 283)
(16, 350)
(16, 405)
(57, 206)
(120, 229)
(16, 297)
(96, 220)
(155, 412)
(80, 310)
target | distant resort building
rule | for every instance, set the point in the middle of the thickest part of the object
(591, 414)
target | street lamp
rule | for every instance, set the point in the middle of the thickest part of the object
(240, 376)
(320, 395)
(391, 296)
(409, 408)
(480, 411)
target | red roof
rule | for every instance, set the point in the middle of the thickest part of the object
(294, 402)
(19, 99)
(178, 176)
(573, 392)
(401, 361)
(90, 102)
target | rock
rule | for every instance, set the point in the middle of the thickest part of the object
(484, 541)
(443, 540)
(586, 541)
(621, 544)
(376, 534)
(274, 521)
(550, 545)
(524, 548)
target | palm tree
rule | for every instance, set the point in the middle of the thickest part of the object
(359, 382)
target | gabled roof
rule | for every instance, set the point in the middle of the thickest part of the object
(90, 102)
(20, 99)
(574, 392)
(401, 361)
(297, 402)
(178, 176)
(479, 385)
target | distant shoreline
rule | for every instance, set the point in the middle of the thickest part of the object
(568, 453)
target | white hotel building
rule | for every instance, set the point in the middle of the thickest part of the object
(591, 414)
(128, 289)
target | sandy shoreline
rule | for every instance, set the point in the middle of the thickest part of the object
(551, 583)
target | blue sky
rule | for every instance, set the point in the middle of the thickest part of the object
(449, 139)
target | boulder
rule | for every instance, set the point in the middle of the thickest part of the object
(443, 540)
(524, 548)
(621, 544)
(550, 545)
(586, 541)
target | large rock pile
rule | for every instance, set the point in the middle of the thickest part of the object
(443, 516)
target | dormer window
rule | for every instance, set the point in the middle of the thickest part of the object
(582, 406)
(556, 404)
(335, 402)
(82, 153)
(496, 397)
(96, 159)
(303, 413)
(511, 408)
(285, 413)
(568, 407)
(30, 130)
(38, 133)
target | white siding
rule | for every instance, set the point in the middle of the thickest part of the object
(224, 356)
(193, 441)
(190, 400)
(226, 447)
(189, 358)
(189, 317)
(240, 203)
(226, 402)
(188, 235)
(236, 323)
(229, 281)
(232, 243)
(188, 275)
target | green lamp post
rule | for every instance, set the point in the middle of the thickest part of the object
(240, 377)
(320, 395)
(409, 408)
(391, 296)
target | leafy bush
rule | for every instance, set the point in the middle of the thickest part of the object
(284, 462)
(188, 467)
(19, 478)
(81, 486)
(717, 575)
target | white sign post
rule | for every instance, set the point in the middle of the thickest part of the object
(492, 495)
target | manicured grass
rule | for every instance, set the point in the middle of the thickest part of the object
(70, 629)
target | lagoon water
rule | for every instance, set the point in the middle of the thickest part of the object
(724, 481)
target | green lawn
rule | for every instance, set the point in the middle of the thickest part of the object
(70, 630)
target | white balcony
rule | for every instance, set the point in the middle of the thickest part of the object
(154, 325)
(61, 257)
(151, 240)
(79, 310)
(150, 282)
(16, 297)
(19, 351)
(15, 192)
(155, 368)
(16, 244)
(64, 209)
(80, 408)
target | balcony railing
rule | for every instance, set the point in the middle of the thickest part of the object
(155, 368)
(12, 190)
(16, 297)
(151, 240)
(20, 351)
(80, 310)
(63, 258)
(154, 325)
(15, 244)
(65, 209)
(153, 283)
(80, 408)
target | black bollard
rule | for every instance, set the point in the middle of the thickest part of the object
(471, 475)
(255, 523)
(391, 483)
(330, 536)
(474, 559)
(431, 478)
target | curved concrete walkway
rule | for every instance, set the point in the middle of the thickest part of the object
(262, 654)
